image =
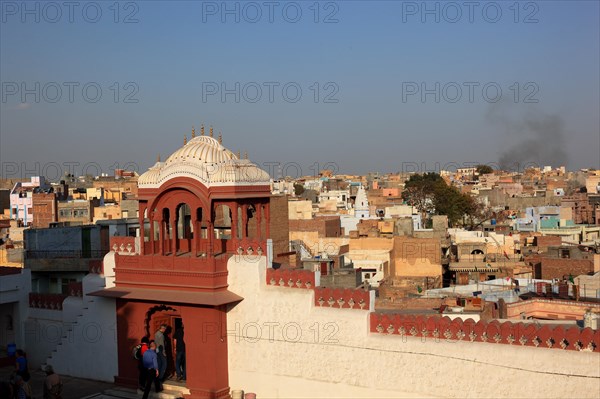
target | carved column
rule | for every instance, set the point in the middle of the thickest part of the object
(244, 221)
(173, 231)
(258, 216)
(161, 237)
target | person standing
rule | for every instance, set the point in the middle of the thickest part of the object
(150, 361)
(52, 385)
(22, 389)
(179, 353)
(161, 351)
(21, 366)
(143, 347)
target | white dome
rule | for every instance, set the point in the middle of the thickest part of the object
(201, 149)
(205, 159)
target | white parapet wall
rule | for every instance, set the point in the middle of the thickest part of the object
(282, 346)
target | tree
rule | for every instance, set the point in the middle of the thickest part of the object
(484, 169)
(419, 191)
(298, 189)
(430, 194)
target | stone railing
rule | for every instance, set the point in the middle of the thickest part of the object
(343, 298)
(293, 278)
(46, 301)
(248, 246)
(507, 333)
(96, 266)
(339, 298)
(123, 245)
(76, 289)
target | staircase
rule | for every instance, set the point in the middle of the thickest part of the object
(298, 246)
(89, 328)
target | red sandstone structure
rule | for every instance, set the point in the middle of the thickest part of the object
(199, 207)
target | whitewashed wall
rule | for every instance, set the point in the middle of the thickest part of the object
(336, 356)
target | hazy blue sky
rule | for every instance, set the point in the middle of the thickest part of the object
(360, 65)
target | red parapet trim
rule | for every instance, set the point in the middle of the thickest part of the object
(122, 244)
(293, 278)
(46, 301)
(342, 298)
(96, 266)
(508, 333)
(76, 289)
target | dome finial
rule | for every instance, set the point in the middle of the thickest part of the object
(220, 138)
(238, 154)
(202, 129)
(185, 139)
(211, 131)
(193, 132)
(245, 154)
(158, 158)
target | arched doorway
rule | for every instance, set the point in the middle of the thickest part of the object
(171, 317)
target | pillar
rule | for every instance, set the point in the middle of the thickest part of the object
(141, 219)
(206, 357)
(244, 221)
(161, 237)
(234, 220)
(268, 220)
(151, 238)
(173, 231)
(196, 235)
(258, 208)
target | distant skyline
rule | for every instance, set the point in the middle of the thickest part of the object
(384, 85)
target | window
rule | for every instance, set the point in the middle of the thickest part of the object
(29, 211)
(65, 213)
(78, 213)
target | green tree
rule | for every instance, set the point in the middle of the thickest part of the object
(484, 169)
(430, 194)
(298, 189)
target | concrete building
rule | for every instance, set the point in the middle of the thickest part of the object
(59, 256)
(300, 210)
(582, 210)
(21, 199)
(77, 212)
(592, 182)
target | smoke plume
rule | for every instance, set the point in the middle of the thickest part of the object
(536, 138)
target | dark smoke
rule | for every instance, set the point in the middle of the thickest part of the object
(538, 138)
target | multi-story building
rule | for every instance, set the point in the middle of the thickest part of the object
(21, 199)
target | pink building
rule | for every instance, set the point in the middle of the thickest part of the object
(21, 199)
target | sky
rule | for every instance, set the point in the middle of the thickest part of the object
(353, 86)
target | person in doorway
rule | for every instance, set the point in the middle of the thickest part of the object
(179, 353)
(150, 361)
(161, 351)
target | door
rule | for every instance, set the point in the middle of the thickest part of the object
(323, 268)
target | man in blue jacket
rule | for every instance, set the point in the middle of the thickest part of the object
(150, 363)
